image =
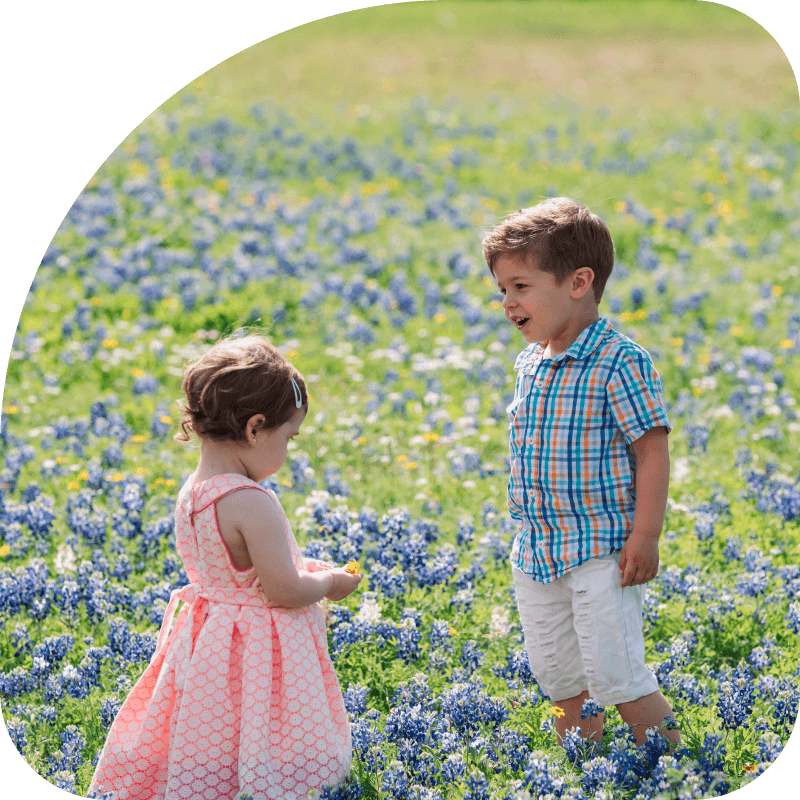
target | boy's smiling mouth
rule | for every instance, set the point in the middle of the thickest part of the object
(519, 321)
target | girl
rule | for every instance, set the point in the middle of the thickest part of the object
(240, 698)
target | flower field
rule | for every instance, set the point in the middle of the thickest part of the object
(358, 253)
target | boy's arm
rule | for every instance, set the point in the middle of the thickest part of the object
(638, 561)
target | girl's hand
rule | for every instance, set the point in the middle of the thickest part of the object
(315, 565)
(343, 584)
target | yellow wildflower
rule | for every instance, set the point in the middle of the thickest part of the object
(110, 344)
(4, 551)
(430, 436)
(117, 477)
(12, 409)
(353, 567)
(73, 486)
(558, 711)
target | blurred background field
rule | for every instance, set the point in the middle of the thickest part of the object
(670, 58)
(331, 185)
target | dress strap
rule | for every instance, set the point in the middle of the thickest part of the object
(208, 492)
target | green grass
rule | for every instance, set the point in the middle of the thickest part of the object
(664, 58)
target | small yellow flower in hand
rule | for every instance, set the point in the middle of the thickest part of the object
(353, 567)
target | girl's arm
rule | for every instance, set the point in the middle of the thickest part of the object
(257, 519)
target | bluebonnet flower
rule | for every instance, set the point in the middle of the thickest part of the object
(349, 790)
(704, 526)
(453, 767)
(735, 701)
(409, 636)
(16, 682)
(70, 755)
(21, 640)
(414, 692)
(463, 599)
(64, 779)
(793, 617)
(109, 709)
(477, 786)
(395, 782)
(590, 709)
(390, 582)
(785, 710)
(769, 746)
(540, 777)
(355, 699)
(368, 742)
(134, 647)
(440, 636)
(39, 516)
(465, 532)
(75, 682)
(471, 655)
(334, 483)
(18, 732)
(697, 436)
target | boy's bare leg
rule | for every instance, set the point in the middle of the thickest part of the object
(648, 712)
(590, 727)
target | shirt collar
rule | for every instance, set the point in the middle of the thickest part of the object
(587, 342)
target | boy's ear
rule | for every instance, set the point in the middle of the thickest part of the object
(582, 280)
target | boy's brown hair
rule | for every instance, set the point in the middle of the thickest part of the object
(232, 382)
(562, 234)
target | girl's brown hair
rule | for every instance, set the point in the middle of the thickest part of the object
(562, 234)
(235, 380)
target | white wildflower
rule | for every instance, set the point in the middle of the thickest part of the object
(499, 624)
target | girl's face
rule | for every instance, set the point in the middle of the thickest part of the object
(268, 454)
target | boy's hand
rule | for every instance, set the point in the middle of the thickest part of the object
(638, 561)
(343, 584)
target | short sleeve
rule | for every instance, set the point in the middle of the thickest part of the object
(634, 396)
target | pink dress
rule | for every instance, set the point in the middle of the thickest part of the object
(240, 695)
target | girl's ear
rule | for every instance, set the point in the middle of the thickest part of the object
(253, 425)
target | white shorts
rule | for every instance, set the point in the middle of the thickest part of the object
(584, 631)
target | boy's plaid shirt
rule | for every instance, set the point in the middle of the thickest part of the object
(571, 422)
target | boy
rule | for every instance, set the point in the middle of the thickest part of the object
(589, 470)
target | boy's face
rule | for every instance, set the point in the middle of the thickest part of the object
(533, 301)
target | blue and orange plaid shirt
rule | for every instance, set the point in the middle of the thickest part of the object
(572, 421)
